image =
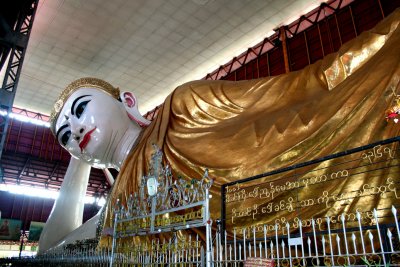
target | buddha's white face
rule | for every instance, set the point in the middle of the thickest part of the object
(90, 125)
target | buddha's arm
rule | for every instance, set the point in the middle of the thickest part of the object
(67, 212)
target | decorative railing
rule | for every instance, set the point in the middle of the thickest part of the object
(373, 245)
(160, 194)
(338, 210)
(163, 205)
(146, 226)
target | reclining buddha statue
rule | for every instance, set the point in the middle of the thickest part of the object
(233, 129)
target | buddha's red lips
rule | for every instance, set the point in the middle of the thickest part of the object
(86, 139)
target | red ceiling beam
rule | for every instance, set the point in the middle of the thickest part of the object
(304, 22)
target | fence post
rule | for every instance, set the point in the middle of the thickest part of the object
(208, 229)
(380, 237)
(114, 240)
(202, 257)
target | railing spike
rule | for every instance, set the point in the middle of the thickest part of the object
(226, 244)
(353, 237)
(345, 238)
(289, 249)
(315, 240)
(361, 232)
(394, 211)
(379, 236)
(265, 241)
(277, 244)
(272, 249)
(254, 242)
(230, 252)
(371, 238)
(338, 244)
(244, 244)
(330, 238)
(309, 246)
(389, 235)
(234, 245)
(249, 249)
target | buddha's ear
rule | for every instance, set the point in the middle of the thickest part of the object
(128, 99)
(131, 105)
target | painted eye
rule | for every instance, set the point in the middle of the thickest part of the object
(80, 108)
(65, 137)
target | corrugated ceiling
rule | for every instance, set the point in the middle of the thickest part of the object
(145, 46)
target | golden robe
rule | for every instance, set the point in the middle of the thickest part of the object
(240, 129)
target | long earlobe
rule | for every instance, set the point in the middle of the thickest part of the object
(128, 99)
(131, 105)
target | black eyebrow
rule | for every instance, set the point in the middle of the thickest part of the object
(73, 103)
(61, 128)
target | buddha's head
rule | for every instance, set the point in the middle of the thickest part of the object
(90, 118)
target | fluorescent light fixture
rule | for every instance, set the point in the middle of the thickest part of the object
(23, 118)
(44, 193)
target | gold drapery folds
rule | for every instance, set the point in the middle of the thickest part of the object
(240, 129)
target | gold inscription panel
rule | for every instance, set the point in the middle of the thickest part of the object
(359, 182)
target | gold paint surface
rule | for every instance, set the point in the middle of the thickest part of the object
(241, 129)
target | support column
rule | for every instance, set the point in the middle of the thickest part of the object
(15, 41)
(282, 34)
